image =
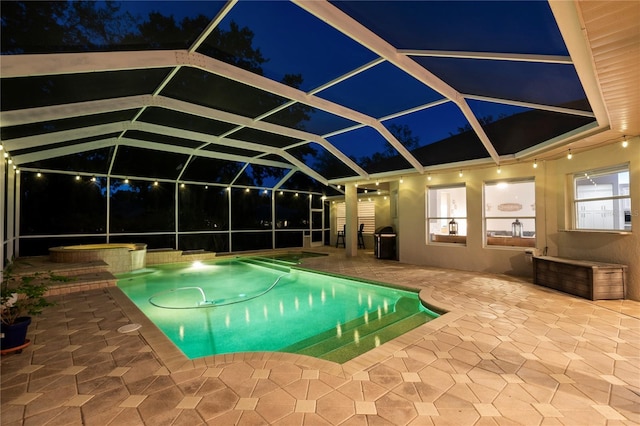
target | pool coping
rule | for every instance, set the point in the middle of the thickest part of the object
(174, 360)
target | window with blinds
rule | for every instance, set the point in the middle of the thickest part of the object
(366, 215)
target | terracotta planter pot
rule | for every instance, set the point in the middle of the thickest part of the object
(15, 334)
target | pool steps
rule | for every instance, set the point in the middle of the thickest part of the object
(327, 345)
(267, 263)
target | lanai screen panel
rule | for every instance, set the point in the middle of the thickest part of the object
(295, 73)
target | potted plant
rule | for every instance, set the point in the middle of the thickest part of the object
(21, 297)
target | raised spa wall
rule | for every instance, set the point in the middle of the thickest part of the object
(118, 257)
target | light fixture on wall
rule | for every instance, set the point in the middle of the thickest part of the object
(569, 155)
(625, 142)
(535, 164)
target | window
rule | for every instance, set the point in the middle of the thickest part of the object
(510, 213)
(602, 200)
(447, 214)
(366, 215)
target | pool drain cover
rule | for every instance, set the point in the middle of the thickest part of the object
(128, 328)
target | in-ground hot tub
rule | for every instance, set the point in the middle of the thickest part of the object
(119, 257)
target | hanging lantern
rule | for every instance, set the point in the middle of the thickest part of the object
(453, 227)
(516, 229)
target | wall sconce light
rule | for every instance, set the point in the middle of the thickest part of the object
(453, 227)
(516, 229)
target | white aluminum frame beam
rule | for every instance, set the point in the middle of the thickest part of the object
(492, 56)
(355, 30)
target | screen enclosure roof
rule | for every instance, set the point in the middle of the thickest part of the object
(265, 92)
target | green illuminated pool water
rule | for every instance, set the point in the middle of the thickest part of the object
(241, 305)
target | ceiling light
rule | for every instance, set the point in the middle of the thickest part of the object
(569, 155)
(625, 142)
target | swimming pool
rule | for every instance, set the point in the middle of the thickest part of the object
(250, 304)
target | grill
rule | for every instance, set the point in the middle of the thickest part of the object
(385, 243)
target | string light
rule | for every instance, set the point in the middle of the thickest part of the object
(77, 177)
(38, 174)
(155, 183)
(460, 173)
(569, 155)
(535, 164)
(93, 178)
(377, 182)
(126, 180)
(182, 185)
(499, 170)
(401, 179)
(625, 142)
(429, 176)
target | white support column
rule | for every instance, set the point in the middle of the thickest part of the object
(11, 202)
(3, 218)
(16, 246)
(351, 207)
